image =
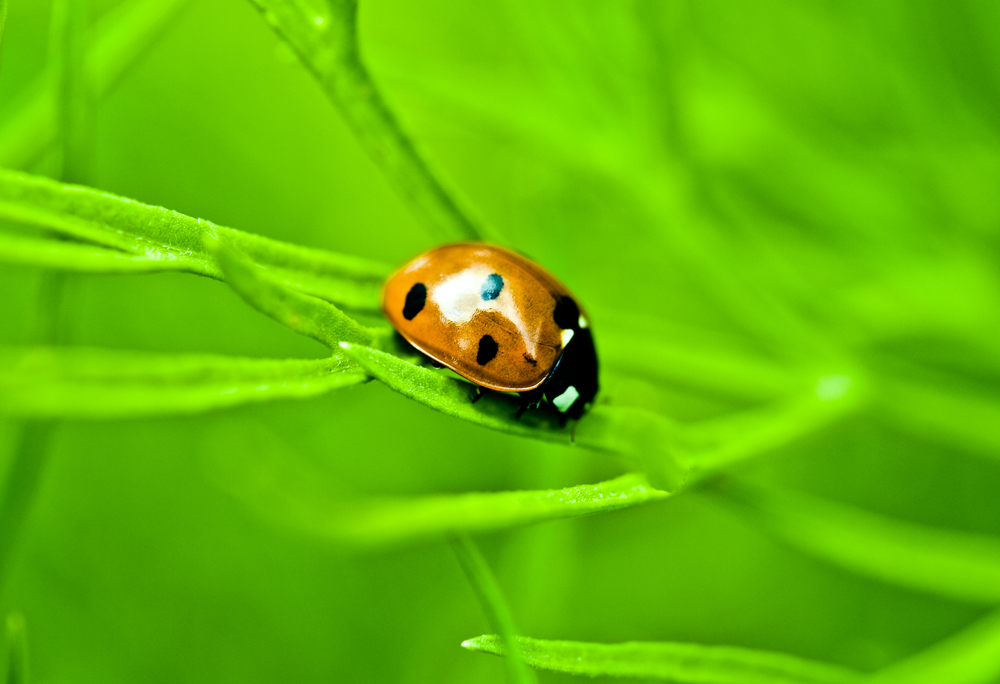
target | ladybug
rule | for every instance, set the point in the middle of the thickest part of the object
(499, 320)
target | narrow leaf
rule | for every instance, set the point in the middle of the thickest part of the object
(118, 44)
(65, 255)
(178, 240)
(325, 38)
(73, 106)
(3, 22)
(92, 383)
(302, 313)
(717, 444)
(280, 491)
(645, 438)
(970, 657)
(493, 604)
(957, 565)
(675, 662)
(17, 650)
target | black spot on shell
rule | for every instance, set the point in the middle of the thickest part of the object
(415, 300)
(492, 287)
(530, 360)
(488, 349)
(566, 314)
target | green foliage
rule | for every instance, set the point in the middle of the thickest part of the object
(178, 241)
(296, 497)
(682, 663)
(121, 40)
(16, 671)
(325, 38)
(95, 383)
(957, 565)
(782, 219)
(970, 657)
(492, 602)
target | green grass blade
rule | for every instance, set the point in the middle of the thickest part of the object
(643, 437)
(305, 314)
(720, 443)
(167, 236)
(675, 662)
(63, 255)
(3, 22)
(326, 41)
(279, 491)
(118, 43)
(956, 565)
(970, 657)
(17, 650)
(73, 108)
(493, 604)
(92, 383)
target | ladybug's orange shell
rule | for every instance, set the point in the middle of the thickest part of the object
(455, 316)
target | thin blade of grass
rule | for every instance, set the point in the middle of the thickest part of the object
(3, 23)
(325, 38)
(493, 604)
(640, 436)
(93, 383)
(117, 44)
(305, 314)
(22, 250)
(167, 236)
(73, 107)
(285, 493)
(970, 657)
(956, 565)
(675, 662)
(17, 649)
(717, 444)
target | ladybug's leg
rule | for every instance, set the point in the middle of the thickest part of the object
(478, 395)
(529, 399)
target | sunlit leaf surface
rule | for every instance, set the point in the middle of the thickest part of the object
(675, 662)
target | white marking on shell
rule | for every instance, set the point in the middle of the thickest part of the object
(567, 335)
(582, 322)
(566, 399)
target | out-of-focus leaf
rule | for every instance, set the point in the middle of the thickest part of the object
(164, 235)
(3, 22)
(953, 564)
(642, 437)
(675, 662)
(964, 419)
(970, 657)
(277, 490)
(303, 313)
(324, 34)
(72, 96)
(715, 444)
(118, 44)
(17, 650)
(92, 383)
(493, 604)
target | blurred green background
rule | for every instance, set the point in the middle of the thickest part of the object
(814, 184)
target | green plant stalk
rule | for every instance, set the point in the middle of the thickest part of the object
(72, 94)
(178, 241)
(119, 42)
(3, 22)
(17, 649)
(81, 383)
(303, 313)
(675, 662)
(282, 494)
(956, 565)
(971, 656)
(327, 44)
(492, 602)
